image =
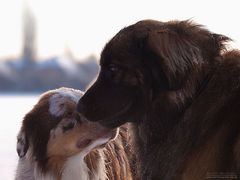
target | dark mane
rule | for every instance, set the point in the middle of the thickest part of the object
(182, 88)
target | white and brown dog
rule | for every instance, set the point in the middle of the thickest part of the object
(56, 143)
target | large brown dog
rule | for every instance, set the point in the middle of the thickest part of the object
(180, 87)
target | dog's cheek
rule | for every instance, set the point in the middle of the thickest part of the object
(64, 125)
(133, 78)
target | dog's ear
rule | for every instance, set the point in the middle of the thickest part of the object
(22, 144)
(175, 55)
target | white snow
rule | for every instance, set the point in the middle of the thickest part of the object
(12, 110)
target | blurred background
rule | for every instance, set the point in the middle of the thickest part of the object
(46, 44)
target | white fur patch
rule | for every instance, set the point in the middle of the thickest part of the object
(75, 168)
(24, 170)
(27, 169)
(56, 101)
(74, 94)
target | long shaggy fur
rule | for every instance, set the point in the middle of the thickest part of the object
(180, 87)
(55, 143)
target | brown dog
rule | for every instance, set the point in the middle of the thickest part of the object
(181, 88)
(55, 143)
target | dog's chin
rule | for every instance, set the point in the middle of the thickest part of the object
(111, 135)
(117, 119)
(99, 141)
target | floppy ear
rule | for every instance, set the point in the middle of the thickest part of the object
(22, 144)
(176, 56)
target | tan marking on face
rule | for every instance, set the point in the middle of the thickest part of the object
(64, 144)
(91, 135)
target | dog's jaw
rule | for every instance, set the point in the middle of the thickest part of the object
(95, 144)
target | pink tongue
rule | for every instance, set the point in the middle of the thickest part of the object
(83, 143)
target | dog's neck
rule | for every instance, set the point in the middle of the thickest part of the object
(168, 107)
(76, 167)
(161, 132)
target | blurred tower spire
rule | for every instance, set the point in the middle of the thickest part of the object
(29, 35)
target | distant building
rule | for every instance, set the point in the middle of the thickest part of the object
(29, 36)
(28, 74)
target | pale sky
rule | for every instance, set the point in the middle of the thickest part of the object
(85, 26)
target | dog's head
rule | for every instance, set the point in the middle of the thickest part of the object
(54, 130)
(143, 61)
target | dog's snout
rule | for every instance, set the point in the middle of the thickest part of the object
(84, 111)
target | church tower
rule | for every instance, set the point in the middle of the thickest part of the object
(29, 36)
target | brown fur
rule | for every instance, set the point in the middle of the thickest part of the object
(52, 140)
(118, 159)
(180, 87)
(118, 154)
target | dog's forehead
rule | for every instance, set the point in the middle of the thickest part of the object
(60, 98)
(128, 44)
(73, 94)
(123, 59)
(120, 51)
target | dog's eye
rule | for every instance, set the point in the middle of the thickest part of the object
(113, 68)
